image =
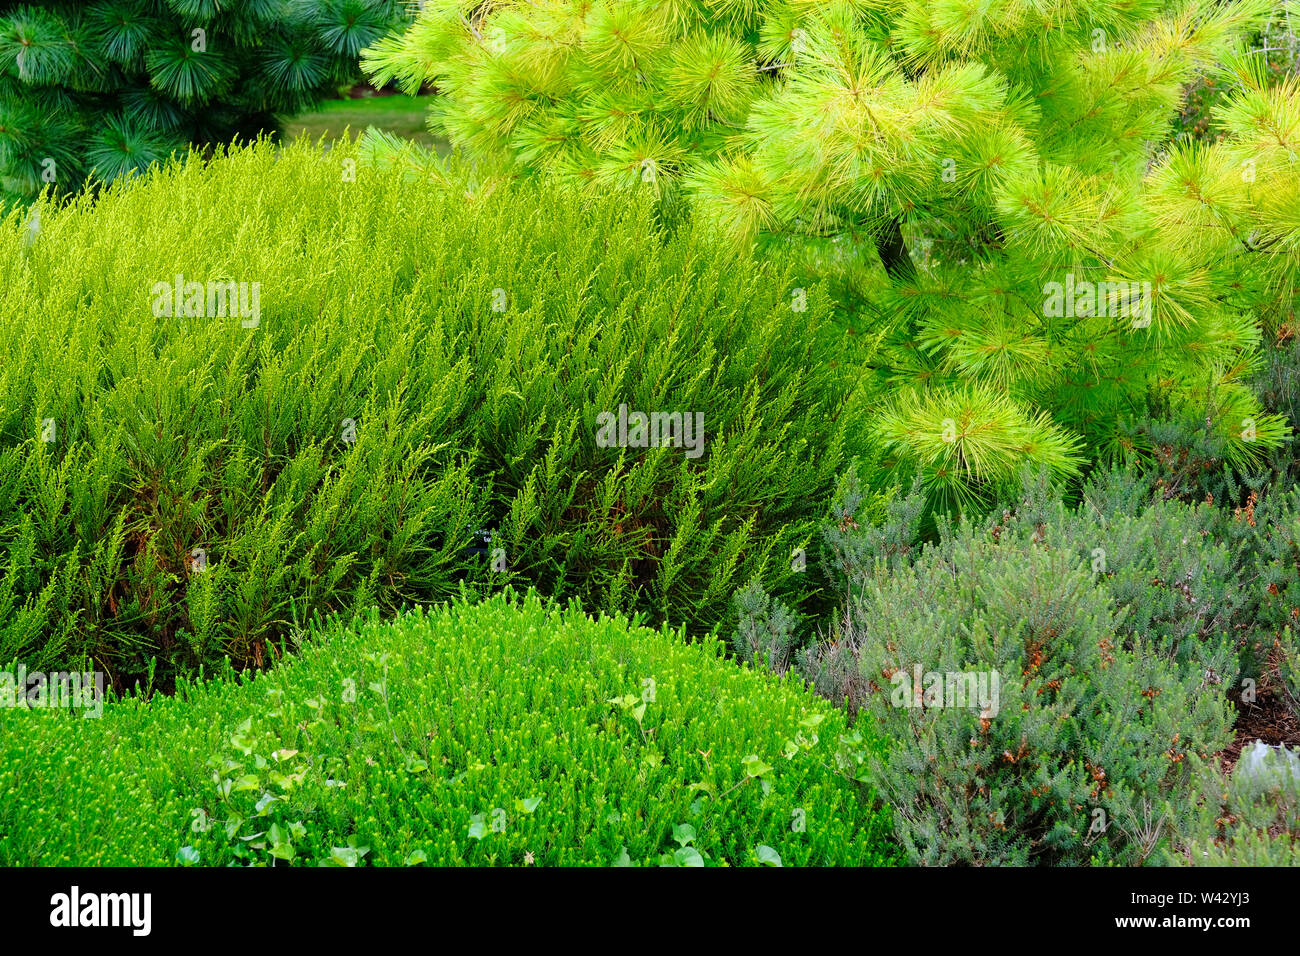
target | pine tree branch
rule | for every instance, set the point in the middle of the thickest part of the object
(893, 252)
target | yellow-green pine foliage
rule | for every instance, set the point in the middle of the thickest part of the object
(985, 152)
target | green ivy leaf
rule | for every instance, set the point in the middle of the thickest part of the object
(812, 720)
(477, 826)
(527, 805)
(767, 856)
(242, 738)
(343, 856)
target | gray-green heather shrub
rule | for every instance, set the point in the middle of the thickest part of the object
(1186, 457)
(1250, 817)
(425, 373)
(1179, 581)
(1161, 565)
(495, 733)
(1196, 574)
(855, 547)
(1288, 668)
(765, 634)
(1253, 520)
(1269, 530)
(1080, 759)
(868, 534)
(1119, 626)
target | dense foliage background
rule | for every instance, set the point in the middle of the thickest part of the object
(418, 392)
(943, 162)
(326, 401)
(107, 87)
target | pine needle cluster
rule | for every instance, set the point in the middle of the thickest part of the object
(980, 154)
(107, 87)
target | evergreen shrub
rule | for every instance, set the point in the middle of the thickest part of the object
(996, 190)
(507, 732)
(416, 402)
(1082, 756)
(103, 88)
(1124, 626)
(1249, 817)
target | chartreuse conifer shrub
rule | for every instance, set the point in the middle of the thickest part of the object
(106, 87)
(994, 188)
(508, 732)
(236, 394)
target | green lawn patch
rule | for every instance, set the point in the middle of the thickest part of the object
(404, 116)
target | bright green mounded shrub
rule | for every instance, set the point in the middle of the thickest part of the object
(500, 733)
(415, 404)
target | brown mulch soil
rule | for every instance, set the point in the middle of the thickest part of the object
(1267, 719)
